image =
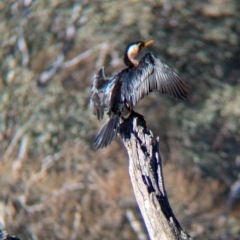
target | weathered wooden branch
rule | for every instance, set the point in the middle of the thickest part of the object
(145, 168)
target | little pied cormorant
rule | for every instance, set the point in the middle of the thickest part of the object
(119, 94)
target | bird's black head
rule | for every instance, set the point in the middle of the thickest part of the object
(132, 50)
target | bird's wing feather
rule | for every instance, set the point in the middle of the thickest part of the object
(101, 90)
(151, 74)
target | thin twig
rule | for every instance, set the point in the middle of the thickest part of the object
(82, 56)
(47, 75)
(56, 194)
(22, 45)
(59, 64)
(76, 223)
(47, 163)
(136, 225)
(22, 153)
(20, 132)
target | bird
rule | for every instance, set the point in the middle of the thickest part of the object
(119, 94)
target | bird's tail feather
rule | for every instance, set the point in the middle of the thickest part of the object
(107, 133)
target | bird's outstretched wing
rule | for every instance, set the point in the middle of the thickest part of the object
(151, 74)
(101, 90)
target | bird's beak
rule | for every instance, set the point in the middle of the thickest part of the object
(148, 43)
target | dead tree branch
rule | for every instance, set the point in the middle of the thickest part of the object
(145, 170)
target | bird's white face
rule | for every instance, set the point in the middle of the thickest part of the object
(132, 53)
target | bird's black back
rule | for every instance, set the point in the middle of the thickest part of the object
(150, 74)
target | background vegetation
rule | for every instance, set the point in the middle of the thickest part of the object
(54, 185)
